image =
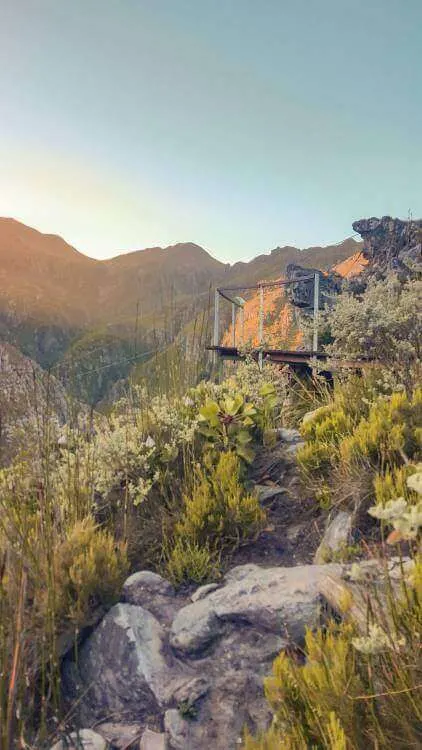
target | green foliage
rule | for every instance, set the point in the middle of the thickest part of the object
(89, 570)
(385, 323)
(228, 425)
(350, 693)
(217, 515)
(189, 562)
(387, 433)
(348, 434)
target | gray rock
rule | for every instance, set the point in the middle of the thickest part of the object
(124, 668)
(120, 736)
(294, 447)
(288, 435)
(153, 741)
(151, 591)
(203, 591)
(281, 601)
(146, 581)
(237, 700)
(178, 730)
(389, 243)
(267, 492)
(84, 739)
(191, 692)
(337, 535)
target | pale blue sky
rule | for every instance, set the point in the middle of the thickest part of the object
(236, 124)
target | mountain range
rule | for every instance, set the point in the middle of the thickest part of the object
(59, 306)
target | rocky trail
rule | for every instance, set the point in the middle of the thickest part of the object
(184, 671)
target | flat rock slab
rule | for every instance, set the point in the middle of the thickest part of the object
(120, 736)
(153, 741)
(282, 601)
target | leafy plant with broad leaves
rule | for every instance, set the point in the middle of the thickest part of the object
(228, 424)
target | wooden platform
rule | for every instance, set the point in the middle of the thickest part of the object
(296, 359)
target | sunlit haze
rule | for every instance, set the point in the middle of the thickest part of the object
(239, 125)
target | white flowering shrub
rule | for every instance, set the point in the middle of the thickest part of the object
(404, 514)
(384, 323)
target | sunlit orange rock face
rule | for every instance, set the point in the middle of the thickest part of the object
(281, 329)
(352, 266)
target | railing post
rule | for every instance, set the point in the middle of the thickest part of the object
(316, 313)
(216, 322)
(234, 323)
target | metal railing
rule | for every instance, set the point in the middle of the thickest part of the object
(238, 303)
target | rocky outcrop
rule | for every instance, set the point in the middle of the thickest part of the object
(277, 602)
(390, 244)
(200, 676)
(301, 293)
(124, 668)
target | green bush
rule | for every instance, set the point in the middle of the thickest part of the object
(351, 692)
(345, 441)
(189, 562)
(89, 570)
(217, 515)
(228, 425)
(385, 323)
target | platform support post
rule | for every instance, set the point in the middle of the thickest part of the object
(216, 323)
(316, 313)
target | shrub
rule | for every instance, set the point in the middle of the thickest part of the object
(217, 515)
(220, 511)
(189, 562)
(385, 322)
(228, 425)
(89, 569)
(350, 692)
(346, 440)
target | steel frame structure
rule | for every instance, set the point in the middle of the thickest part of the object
(237, 304)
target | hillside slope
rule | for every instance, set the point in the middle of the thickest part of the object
(63, 308)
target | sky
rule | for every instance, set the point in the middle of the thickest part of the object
(240, 125)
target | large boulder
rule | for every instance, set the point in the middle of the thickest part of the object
(124, 668)
(151, 591)
(301, 292)
(201, 678)
(276, 601)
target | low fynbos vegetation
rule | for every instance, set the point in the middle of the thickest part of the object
(357, 683)
(157, 482)
(354, 436)
(217, 516)
(384, 323)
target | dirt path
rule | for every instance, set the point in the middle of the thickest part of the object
(295, 522)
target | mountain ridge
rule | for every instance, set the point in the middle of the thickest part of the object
(58, 305)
